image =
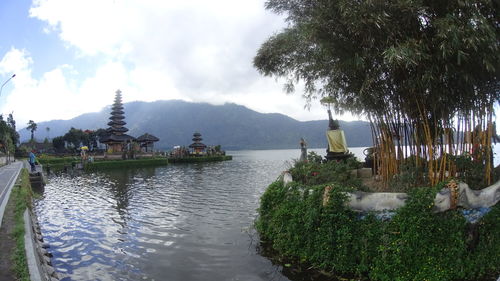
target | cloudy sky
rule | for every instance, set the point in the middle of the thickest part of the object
(70, 56)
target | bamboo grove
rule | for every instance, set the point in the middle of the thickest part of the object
(432, 147)
(425, 73)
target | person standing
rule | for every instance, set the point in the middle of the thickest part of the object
(32, 160)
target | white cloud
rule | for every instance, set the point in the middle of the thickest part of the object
(195, 50)
(30, 98)
(58, 96)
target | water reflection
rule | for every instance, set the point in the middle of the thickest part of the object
(179, 222)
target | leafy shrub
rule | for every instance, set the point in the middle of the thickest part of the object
(409, 177)
(314, 173)
(417, 244)
(469, 170)
(313, 157)
(329, 237)
(421, 245)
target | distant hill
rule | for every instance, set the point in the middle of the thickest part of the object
(230, 125)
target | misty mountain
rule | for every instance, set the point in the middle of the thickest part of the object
(230, 125)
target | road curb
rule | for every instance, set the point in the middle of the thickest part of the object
(38, 259)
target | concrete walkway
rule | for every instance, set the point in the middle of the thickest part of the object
(8, 176)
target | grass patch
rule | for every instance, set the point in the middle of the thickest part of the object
(44, 160)
(56, 164)
(21, 194)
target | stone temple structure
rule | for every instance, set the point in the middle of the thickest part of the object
(197, 146)
(117, 140)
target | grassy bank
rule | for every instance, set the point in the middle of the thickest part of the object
(57, 163)
(416, 244)
(21, 194)
(132, 163)
(201, 159)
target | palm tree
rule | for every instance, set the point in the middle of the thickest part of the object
(48, 130)
(32, 126)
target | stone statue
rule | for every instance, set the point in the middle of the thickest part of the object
(454, 195)
(303, 150)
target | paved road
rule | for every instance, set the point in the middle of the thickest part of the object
(8, 176)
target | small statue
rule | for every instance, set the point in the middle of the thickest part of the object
(303, 150)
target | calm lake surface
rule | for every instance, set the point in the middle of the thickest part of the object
(178, 222)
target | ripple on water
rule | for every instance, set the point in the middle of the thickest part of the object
(181, 222)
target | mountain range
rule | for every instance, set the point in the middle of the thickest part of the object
(232, 126)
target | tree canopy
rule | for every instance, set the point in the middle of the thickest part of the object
(8, 135)
(426, 63)
(372, 56)
(32, 127)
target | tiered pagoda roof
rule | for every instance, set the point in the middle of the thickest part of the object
(197, 141)
(147, 138)
(116, 130)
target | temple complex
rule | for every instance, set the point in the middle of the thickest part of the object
(197, 146)
(116, 140)
(146, 142)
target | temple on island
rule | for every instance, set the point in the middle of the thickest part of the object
(146, 142)
(116, 139)
(197, 146)
(197, 152)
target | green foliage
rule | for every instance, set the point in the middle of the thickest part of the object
(314, 172)
(55, 164)
(422, 245)
(8, 135)
(32, 127)
(330, 238)
(483, 259)
(378, 57)
(58, 143)
(51, 161)
(417, 244)
(74, 137)
(409, 176)
(469, 171)
(200, 159)
(21, 194)
(313, 157)
(116, 164)
(414, 68)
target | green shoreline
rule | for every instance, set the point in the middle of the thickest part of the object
(131, 163)
(200, 159)
(59, 164)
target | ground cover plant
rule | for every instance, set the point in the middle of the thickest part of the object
(21, 194)
(416, 244)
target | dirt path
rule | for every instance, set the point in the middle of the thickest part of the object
(7, 244)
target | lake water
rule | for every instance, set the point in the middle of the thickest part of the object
(178, 222)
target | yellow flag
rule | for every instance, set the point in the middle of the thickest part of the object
(336, 140)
